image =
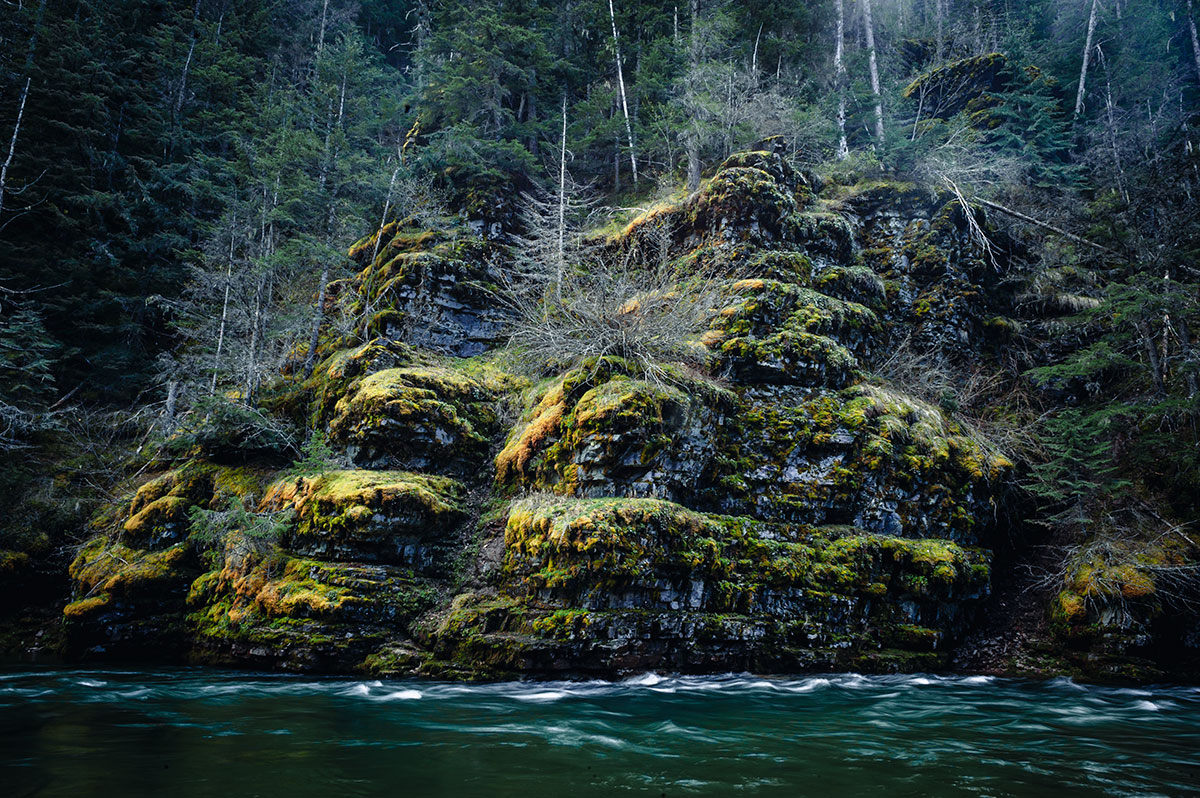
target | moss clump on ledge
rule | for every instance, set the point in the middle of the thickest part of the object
(115, 570)
(313, 400)
(601, 430)
(128, 601)
(786, 334)
(417, 417)
(373, 516)
(158, 512)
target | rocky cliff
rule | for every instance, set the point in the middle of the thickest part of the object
(784, 507)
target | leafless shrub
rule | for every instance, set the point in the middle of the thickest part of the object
(1119, 556)
(636, 305)
(960, 165)
(969, 395)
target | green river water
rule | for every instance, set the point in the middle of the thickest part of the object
(183, 733)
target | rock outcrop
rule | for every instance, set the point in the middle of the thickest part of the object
(784, 511)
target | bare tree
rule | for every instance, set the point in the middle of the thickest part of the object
(612, 14)
(552, 241)
(874, 69)
(1087, 54)
(839, 73)
(633, 305)
(12, 144)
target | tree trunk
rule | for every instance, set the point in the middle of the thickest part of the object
(1191, 20)
(616, 162)
(531, 117)
(321, 33)
(1185, 344)
(183, 78)
(839, 76)
(1045, 226)
(1152, 355)
(612, 15)
(310, 357)
(874, 67)
(327, 162)
(940, 15)
(692, 143)
(754, 57)
(212, 390)
(1110, 119)
(1087, 55)
(169, 412)
(255, 330)
(562, 206)
(12, 144)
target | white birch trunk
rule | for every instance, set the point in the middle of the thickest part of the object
(1195, 40)
(874, 67)
(839, 72)
(1087, 55)
(612, 15)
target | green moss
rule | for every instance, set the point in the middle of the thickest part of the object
(369, 508)
(420, 416)
(780, 332)
(604, 408)
(141, 582)
(854, 284)
(305, 613)
(117, 569)
(86, 608)
(571, 565)
(960, 85)
(785, 266)
(165, 517)
(312, 401)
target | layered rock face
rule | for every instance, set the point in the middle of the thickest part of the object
(781, 511)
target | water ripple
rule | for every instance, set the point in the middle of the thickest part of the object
(194, 732)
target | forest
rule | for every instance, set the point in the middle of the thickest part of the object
(288, 248)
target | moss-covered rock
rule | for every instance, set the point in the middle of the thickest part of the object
(313, 400)
(964, 84)
(1126, 592)
(392, 517)
(128, 602)
(782, 333)
(742, 203)
(433, 289)
(866, 456)
(158, 513)
(641, 583)
(600, 431)
(292, 613)
(429, 418)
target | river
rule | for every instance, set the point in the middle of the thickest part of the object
(193, 732)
